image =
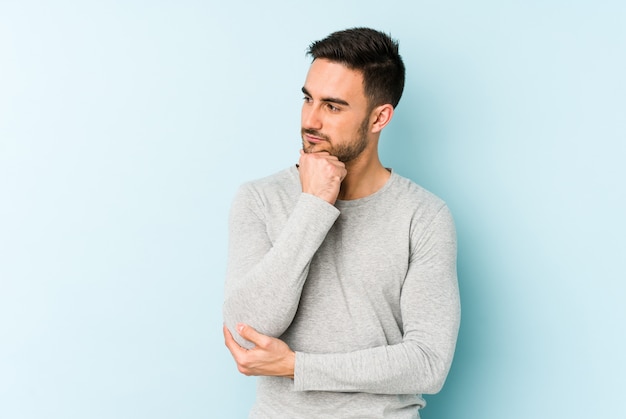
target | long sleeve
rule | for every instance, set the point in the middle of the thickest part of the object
(270, 250)
(430, 310)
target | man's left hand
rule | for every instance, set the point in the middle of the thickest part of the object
(270, 356)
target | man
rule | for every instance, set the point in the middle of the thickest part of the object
(341, 291)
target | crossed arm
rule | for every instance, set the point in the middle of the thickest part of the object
(419, 364)
(267, 269)
(265, 279)
(255, 260)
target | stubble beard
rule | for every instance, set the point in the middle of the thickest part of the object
(344, 152)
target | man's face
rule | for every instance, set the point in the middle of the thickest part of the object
(335, 111)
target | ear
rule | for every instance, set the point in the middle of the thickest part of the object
(380, 117)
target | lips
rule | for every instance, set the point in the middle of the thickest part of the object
(313, 140)
(313, 136)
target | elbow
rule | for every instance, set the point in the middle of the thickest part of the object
(267, 322)
(435, 384)
(437, 374)
(431, 371)
(231, 318)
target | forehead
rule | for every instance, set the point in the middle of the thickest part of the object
(330, 79)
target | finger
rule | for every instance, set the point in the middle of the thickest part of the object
(230, 342)
(228, 337)
(248, 333)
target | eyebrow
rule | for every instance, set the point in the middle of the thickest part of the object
(328, 99)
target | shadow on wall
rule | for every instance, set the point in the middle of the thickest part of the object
(415, 146)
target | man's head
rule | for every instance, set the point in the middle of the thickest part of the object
(372, 53)
(350, 92)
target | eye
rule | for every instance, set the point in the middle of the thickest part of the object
(307, 99)
(332, 107)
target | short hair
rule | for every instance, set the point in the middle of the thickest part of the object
(373, 53)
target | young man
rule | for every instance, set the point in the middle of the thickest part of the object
(341, 290)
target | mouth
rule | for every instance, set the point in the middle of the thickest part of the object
(313, 140)
(313, 137)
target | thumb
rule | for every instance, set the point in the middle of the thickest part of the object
(248, 333)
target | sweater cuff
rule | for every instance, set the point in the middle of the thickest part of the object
(298, 372)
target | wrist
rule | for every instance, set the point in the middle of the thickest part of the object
(290, 364)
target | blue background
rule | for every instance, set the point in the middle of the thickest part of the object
(126, 127)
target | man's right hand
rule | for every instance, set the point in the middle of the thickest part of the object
(321, 175)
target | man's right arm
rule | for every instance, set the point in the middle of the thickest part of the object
(265, 276)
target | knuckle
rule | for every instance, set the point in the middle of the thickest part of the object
(244, 361)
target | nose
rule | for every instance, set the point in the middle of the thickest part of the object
(311, 117)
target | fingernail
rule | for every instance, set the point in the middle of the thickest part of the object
(239, 327)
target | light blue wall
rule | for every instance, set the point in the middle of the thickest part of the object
(126, 127)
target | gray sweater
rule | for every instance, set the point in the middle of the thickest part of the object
(365, 292)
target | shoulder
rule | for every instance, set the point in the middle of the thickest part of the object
(424, 206)
(413, 195)
(283, 185)
(275, 180)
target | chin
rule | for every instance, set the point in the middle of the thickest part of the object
(313, 148)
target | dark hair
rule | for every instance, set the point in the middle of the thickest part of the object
(374, 54)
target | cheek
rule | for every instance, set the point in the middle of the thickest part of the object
(350, 130)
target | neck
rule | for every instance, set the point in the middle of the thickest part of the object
(366, 175)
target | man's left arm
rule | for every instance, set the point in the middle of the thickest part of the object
(430, 307)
